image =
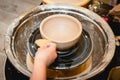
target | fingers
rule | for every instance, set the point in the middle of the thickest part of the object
(49, 45)
(47, 53)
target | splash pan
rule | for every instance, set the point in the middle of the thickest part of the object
(103, 47)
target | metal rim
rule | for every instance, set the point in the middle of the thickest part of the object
(110, 48)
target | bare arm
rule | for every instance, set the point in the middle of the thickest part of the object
(43, 58)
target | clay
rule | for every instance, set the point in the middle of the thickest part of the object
(71, 2)
(64, 30)
(41, 42)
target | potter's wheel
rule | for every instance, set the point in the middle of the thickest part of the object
(19, 34)
(67, 59)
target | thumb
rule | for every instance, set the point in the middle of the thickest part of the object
(52, 45)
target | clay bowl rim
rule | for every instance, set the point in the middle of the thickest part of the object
(62, 15)
(82, 3)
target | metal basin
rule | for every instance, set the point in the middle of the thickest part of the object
(19, 32)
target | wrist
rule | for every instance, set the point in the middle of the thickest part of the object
(40, 62)
(39, 71)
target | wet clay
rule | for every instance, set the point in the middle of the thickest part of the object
(61, 28)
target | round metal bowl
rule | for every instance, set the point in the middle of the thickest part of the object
(19, 32)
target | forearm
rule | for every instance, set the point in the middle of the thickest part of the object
(39, 71)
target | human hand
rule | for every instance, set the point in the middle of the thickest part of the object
(46, 54)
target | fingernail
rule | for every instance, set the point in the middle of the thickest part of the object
(49, 44)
